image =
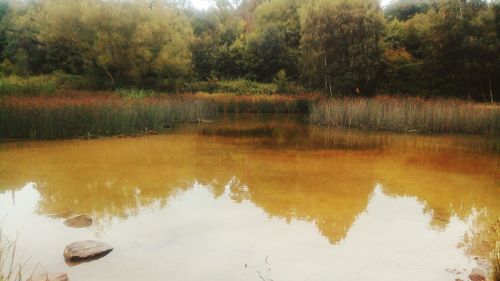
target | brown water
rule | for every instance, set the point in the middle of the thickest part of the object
(257, 198)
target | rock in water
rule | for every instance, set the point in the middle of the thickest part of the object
(51, 277)
(477, 274)
(78, 221)
(86, 250)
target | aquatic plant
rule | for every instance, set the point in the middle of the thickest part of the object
(405, 114)
(234, 103)
(94, 115)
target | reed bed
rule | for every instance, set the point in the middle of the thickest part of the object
(94, 115)
(234, 103)
(407, 115)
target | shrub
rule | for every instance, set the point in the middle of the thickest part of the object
(42, 85)
(238, 86)
(32, 86)
(281, 81)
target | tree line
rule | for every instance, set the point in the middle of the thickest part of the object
(343, 47)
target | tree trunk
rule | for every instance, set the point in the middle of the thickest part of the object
(326, 75)
(491, 90)
(109, 76)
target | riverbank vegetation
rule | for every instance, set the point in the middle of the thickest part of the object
(128, 112)
(421, 48)
(146, 65)
(407, 115)
(9, 271)
(131, 112)
(496, 263)
(95, 115)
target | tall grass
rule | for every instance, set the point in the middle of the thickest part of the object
(495, 260)
(127, 112)
(9, 270)
(94, 115)
(233, 103)
(407, 115)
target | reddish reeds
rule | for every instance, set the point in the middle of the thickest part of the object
(93, 115)
(233, 103)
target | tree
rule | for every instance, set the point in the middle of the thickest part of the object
(342, 45)
(216, 33)
(406, 9)
(273, 43)
(4, 9)
(22, 50)
(462, 48)
(126, 42)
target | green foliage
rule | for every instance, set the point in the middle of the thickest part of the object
(281, 81)
(273, 43)
(32, 86)
(126, 42)
(345, 47)
(134, 93)
(405, 9)
(337, 53)
(217, 48)
(237, 86)
(42, 84)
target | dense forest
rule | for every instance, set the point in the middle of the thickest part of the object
(428, 48)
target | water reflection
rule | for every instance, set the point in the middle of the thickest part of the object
(196, 235)
(206, 200)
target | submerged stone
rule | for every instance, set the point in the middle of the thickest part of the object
(86, 250)
(78, 221)
(50, 277)
(477, 274)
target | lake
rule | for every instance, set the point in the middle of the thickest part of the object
(257, 197)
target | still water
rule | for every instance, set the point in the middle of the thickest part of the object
(257, 198)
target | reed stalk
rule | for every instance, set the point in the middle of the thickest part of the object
(407, 115)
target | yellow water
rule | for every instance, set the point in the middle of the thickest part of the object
(257, 198)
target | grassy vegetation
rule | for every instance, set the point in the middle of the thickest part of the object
(85, 115)
(407, 115)
(280, 85)
(233, 103)
(32, 86)
(41, 85)
(495, 276)
(127, 112)
(8, 270)
(73, 114)
(238, 86)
